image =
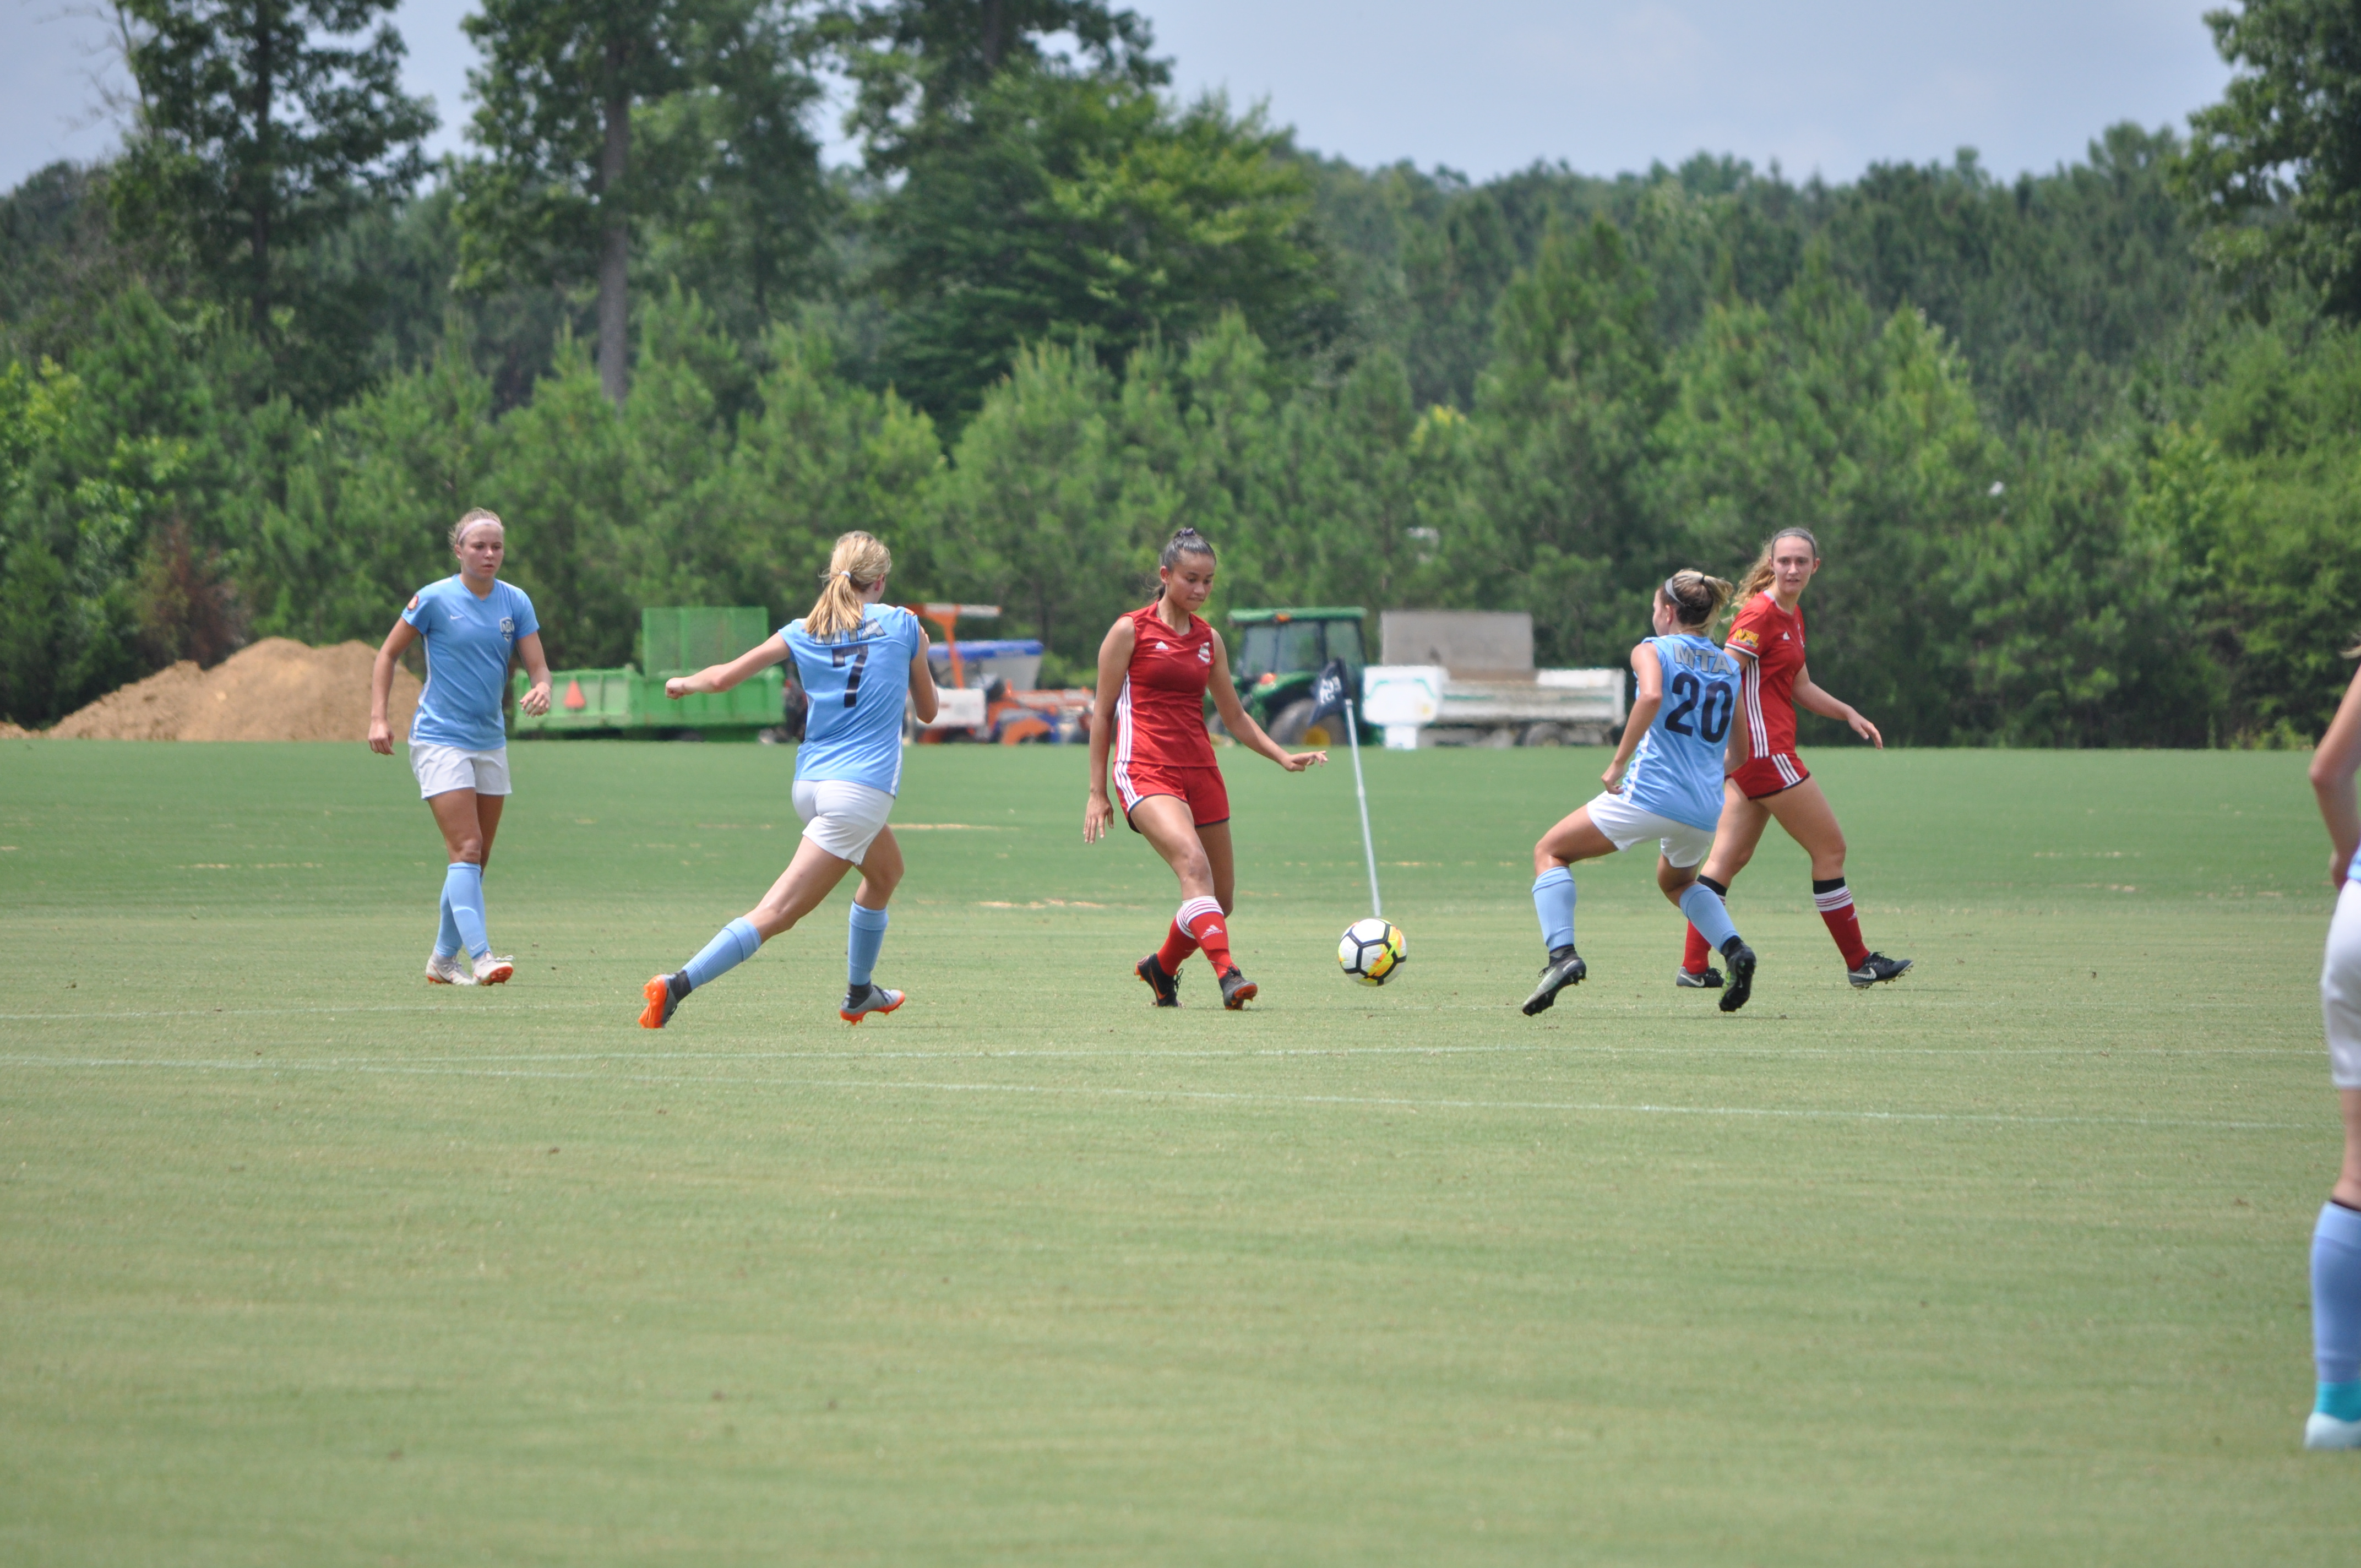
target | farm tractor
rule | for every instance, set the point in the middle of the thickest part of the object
(1278, 654)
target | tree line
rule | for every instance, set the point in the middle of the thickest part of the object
(2078, 446)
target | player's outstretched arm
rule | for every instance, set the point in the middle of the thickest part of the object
(1240, 723)
(396, 643)
(1115, 663)
(535, 700)
(1815, 699)
(721, 677)
(2334, 763)
(1648, 672)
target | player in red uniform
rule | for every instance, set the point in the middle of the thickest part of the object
(1767, 780)
(1154, 670)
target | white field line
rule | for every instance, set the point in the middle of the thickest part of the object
(1575, 1107)
(1702, 1050)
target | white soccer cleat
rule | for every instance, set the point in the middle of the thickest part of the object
(2323, 1431)
(494, 969)
(446, 969)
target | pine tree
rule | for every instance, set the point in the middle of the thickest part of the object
(555, 187)
(259, 130)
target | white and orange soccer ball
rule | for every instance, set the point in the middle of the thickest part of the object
(1371, 950)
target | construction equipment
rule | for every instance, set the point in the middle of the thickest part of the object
(984, 686)
(674, 641)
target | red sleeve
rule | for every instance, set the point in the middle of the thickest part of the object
(1746, 632)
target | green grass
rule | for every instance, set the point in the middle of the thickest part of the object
(303, 1263)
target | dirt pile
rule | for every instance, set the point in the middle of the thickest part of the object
(275, 690)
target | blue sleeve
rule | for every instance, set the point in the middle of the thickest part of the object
(527, 623)
(913, 636)
(417, 605)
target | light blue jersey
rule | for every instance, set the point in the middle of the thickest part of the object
(1676, 772)
(468, 644)
(857, 683)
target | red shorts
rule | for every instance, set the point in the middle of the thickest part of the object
(1208, 797)
(1769, 775)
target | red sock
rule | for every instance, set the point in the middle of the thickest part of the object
(1177, 946)
(1835, 900)
(1697, 955)
(1204, 920)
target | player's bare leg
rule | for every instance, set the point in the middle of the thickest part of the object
(881, 874)
(809, 878)
(1205, 862)
(467, 822)
(1574, 838)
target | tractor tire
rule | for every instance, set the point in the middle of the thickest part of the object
(1287, 725)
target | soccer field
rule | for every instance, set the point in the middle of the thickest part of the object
(307, 1263)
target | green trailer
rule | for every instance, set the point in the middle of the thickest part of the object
(674, 641)
(1280, 652)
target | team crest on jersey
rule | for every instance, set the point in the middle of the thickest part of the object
(413, 601)
(1746, 636)
(1204, 653)
(508, 626)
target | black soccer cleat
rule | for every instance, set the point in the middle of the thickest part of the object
(1741, 975)
(663, 996)
(1167, 988)
(1564, 967)
(1236, 990)
(1704, 980)
(1875, 968)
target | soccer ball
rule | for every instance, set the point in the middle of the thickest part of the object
(1371, 950)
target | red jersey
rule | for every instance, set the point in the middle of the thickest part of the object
(1772, 640)
(1159, 720)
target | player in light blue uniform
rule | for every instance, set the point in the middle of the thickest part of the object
(857, 660)
(473, 625)
(1675, 744)
(2336, 1419)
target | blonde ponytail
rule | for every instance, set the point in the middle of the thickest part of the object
(1695, 597)
(1758, 577)
(858, 561)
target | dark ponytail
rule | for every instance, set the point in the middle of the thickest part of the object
(1185, 541)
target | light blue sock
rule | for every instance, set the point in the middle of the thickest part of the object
(731, 946)
(1554, 901)
(2336, 1310)
(447, 936)
(463, 899)
(1708, 914)
(860, 943)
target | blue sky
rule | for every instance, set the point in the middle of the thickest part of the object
(1486, 86)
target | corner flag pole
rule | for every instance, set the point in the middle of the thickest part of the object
(1369, 848)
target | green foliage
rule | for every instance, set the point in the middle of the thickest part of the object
(1085, 207)
(2262, 498)
(2065, 494)
(1570, 409)
(925, 62)
(556, 73)
(2274, 170)
(257, 135)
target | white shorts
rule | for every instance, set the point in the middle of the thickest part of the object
(442, 769)
(841, 817)
(2340, 990)
(1625, 825)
